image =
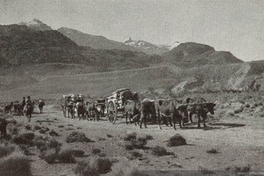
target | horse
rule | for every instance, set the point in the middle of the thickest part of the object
(40, 106)
(28, 110)
(7, 108)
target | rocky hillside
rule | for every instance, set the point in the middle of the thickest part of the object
(195, 54)
(37, 25)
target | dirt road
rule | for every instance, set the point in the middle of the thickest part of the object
(238, 142)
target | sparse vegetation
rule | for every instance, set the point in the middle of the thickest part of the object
(77, 137)
(212, 151)
(15, 164)
(102, 165)
(130, 136)
(176, 140)
(66, 156)
(84, 169)
(160, 151)
(96, 151)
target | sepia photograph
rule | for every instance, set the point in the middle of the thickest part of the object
(131, 87)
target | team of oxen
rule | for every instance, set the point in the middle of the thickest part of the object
(167, 111)
(161, 111)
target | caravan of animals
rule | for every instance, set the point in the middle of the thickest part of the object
(182, 110)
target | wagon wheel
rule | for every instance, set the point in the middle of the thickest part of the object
(112, 113)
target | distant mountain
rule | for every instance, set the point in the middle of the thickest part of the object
(146, 47)
(96, 42)
(195, 54)
(20, 44)
(37, 25)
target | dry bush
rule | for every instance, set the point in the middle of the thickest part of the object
(36, 127)
(239, 169)
(130, 136)
(205, 171)
(28, 127)
(102, 165)
(238, 110)
(60, 126)
(77, 137)
(212, 151)
(44, 143)
(14, 165)
(78, 153)
(109, 135)
(160, 151)
(148, 137)
(25, 138)
(84, 169)
(125, 169)
(6, 149)
(53, 133)
(135, 154)
(96, 151)
(230, 113)
(247, 105)
(176, 140)
(66, 156)
(50, 156)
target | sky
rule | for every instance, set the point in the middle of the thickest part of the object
(227, 25)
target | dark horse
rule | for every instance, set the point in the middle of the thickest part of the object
(200, 107)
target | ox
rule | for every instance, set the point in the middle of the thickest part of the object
(132, 111)
(80, 110)
(147, 110)
(200, 107)
(92, 111)
(170, 111)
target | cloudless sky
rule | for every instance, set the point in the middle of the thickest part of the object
(230, 25)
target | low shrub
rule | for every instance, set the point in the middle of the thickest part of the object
(135, 154)
(77, 137)
(96, 151)
(84, 169)
(36, 127)
(239, 169)
(102, 165)
(160, 151)
(28, 127)
(50, 156)
(25, 138)
(60, 126)
(66, 156)
(130, 136)
(53, 133)
(6, 150)
(14, 165)
(109, 135)
(78, 153)
(176, 140)
(124, 169)
(212, 151)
